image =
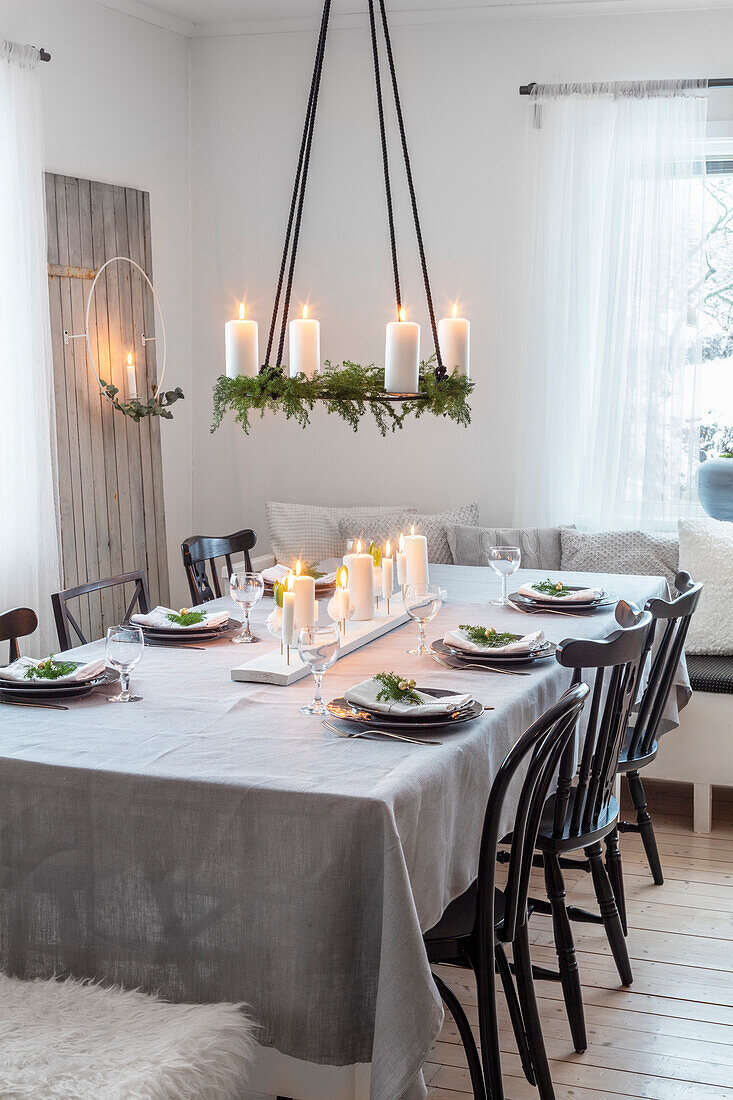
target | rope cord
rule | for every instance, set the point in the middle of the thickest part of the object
(385, 158)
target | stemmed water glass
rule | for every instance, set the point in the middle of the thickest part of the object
(246, 589)
(422, 603)
(124, 649)
(504, 560)
(319, 647)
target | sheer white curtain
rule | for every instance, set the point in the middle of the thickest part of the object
(616, 178)
(29, 535)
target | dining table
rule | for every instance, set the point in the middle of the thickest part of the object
(211, 843)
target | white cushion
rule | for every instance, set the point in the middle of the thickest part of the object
(706, 553)
(311, 531)
(76, 1040)
(629, 552)
(378, 527)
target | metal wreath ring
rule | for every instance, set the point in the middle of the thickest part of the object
(127, 260)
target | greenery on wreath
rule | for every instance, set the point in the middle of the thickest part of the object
(396, 689)
(350, 391)
(50, 669)
(137, 410)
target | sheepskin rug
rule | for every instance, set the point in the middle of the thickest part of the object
(77, 1040)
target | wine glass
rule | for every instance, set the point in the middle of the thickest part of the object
(124, 649)
(318, 647)
(422, 603)
(504, 560)
(246, 589)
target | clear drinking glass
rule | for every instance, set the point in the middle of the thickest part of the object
(422, 603)
(246, 589)
(124, 649)
(318, 647)
(504, 560)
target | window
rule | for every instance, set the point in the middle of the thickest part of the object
(715, 375)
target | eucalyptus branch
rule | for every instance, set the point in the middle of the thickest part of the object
(137, 410)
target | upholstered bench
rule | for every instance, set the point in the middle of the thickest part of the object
(713, 674)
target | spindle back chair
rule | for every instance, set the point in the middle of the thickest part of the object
(15, 624)
(198, 551)
(65, 620)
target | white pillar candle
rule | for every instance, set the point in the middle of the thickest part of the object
(402, 356)
(387, 577)
(288, 628)
(343, 596)
(304, 335)
(416, 551)
(305, 600)
(454, 338)
(131, 381)
(361, 583)
(401, 562)
(241, 345)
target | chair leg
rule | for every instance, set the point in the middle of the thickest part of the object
(609, 912)
(616, 875)
(565, 949)
(643, 817)
(515, 1012)
(469, 1043)
(488, 1023)
(530, 1012)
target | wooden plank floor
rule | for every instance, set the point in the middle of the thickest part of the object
(668, 1037)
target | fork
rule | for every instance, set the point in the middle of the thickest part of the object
(458, 665)
(40, 706)
(545, 611)
(382, 733)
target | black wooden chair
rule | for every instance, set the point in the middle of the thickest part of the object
(65, 621)
(583, 810)
(641, 742)
(18, 623)
(200, 550)
(475, 927)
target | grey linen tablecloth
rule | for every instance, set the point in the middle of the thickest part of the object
(212, 843)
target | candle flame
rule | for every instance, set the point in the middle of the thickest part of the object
(298, 568)
(454, 311)
(305, 312)
(412, 529)
(358, 546)
(241, 311)
(129, 359)
(343, 577)
(401, 313)
(402, 544)
(290, 580)
(388, 549)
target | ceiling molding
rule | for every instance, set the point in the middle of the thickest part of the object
(148, 13)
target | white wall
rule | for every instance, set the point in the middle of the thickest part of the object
(116, 109)
(466, 128)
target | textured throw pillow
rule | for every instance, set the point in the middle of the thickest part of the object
(540, 546)
(377, 527)
(311, 531)
(706, 553)
(630, 552)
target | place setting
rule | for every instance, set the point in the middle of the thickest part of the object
(485, 649)
(50, 682)
(557, 598)
(192, 629)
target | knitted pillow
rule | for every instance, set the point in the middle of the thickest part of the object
(540, 546)
(630, 552)
(706, 553)
(376, 527)
(311, 531)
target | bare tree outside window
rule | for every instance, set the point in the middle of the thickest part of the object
(715, 375)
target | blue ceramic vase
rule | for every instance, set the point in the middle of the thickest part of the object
(715, 487)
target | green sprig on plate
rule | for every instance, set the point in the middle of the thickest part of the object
(488, 636)
(396, 689)
(50, 670)
(551, 588)
(187, 618)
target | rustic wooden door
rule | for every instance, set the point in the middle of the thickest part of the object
(109, 468)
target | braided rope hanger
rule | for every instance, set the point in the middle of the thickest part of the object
(292, 233)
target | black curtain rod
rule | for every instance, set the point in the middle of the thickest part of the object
(717, 82)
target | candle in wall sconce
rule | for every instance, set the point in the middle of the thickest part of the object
(131, 380)
(454, 338)
(402, 356)
(241, 345)
(304, 335)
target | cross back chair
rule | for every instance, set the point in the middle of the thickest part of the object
(641, 742)
(65, 620)
(475, 927)
(583, 811)
(18, 623)
(198, 551)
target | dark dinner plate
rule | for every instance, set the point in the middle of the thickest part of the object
(360, 716)
(35, 690)
(540, 604)
(162, 635)
(547, 649)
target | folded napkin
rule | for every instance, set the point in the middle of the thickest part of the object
(459, 640)
(582, 596)
(365, 695)
(279, 573)
(83, 672)
(158, 620)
